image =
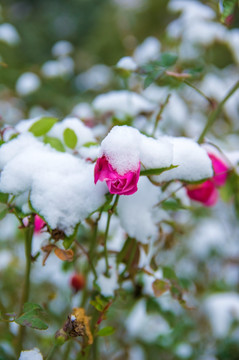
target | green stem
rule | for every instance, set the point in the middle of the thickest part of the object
(198, 91)
(131, 259)
(214, 114)
(51, 352)
(93, 245)
(110, 213)
(26, 288)
(158, 117)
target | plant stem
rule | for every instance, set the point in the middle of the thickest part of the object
(26, 288)
(93, 245)
(158, 116)
(198, 91)
(214, 114)
(51, 352)
(110, 213)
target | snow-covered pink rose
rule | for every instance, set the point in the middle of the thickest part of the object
(207, 192)
(125, 184)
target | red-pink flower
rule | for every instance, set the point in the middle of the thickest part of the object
(38, 224)
(207, 192)
(118, 184)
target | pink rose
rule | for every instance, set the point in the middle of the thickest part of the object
(207, 192)
(118, 184)
(38, 224)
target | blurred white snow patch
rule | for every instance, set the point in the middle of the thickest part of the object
(62, 186)
(8, 227)
(9, 34)
(155, 153)
(84, 134)
(121, 148)
(149, 50)
(27, 83)
(33, 354)
(127, 63)
(14, 327)
(89, 153)
(222, 309)
(107, 284)
(122, 102)
(11, 110)
(5, 258)
(62, 48)
(209, 235)
(39, 111)
(136, 212)
(58, 68)
(138, 321)
(148, 281)
(233, 157)
(192, 9)
(83, 111)
(136, 353)
(184, 350)
(233, 41)
(96, 78)
(129, 4)
(192, 160)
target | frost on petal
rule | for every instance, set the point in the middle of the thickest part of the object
(192, 160)
(136, 212)
(155, 153)
(121, 148)
(33, 354)
(123, 101)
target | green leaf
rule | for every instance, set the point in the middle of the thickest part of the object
(152, 77)
(97, 305)
(31, 306)
(160, 287)
(169, 273)
(31, 319)
(42, 126)
(3, 198)
(158, 171)
(168, 59)
(172, 204)
(3, 213)
(55, 143)
(228, 8)
(90, 143)
(106, 331)
(70, 138)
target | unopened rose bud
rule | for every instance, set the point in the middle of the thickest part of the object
(77, 282)
(38, 224)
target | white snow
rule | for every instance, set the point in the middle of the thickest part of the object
(84, 134)
(149, 50)
(121, 148)
(139, 321)
(62, 48)
(58, 68)
(107, 284)
(222, 309)
(127, 63)
(136, 211)
(33, 354)
(96, 78)
(62, 186)
(122, 101)
(83, 110)
(27, 83)
(192, 160)
(9, 34)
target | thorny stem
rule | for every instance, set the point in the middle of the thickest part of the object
(131, 259)
(214, 114)
(110, 213)
(26, 288)
(158, 116)
(88, 257)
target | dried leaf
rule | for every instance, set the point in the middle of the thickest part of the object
(160, 287)
(64, 255)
